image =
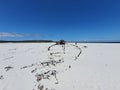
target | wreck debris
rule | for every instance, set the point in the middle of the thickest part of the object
(8, 68)
(1, 77)
(61, 42)
(46, 70)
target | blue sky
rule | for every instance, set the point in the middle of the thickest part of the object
(60, 19)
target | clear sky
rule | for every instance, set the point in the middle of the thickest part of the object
(60, 19)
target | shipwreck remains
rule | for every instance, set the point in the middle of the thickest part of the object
(64, 44)
(61, 42)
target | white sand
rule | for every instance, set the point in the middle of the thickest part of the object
(97, 67)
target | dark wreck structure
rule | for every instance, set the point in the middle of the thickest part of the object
(61, 42)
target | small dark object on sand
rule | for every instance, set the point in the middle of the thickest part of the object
(1, 77)
(40, 87)
(85, 46)
(69, 66)
(75, 43)
(8, 68)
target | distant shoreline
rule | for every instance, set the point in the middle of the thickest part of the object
(26, 41)
(49, 41)
(96, 41)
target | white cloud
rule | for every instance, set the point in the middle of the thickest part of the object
(17, 35)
